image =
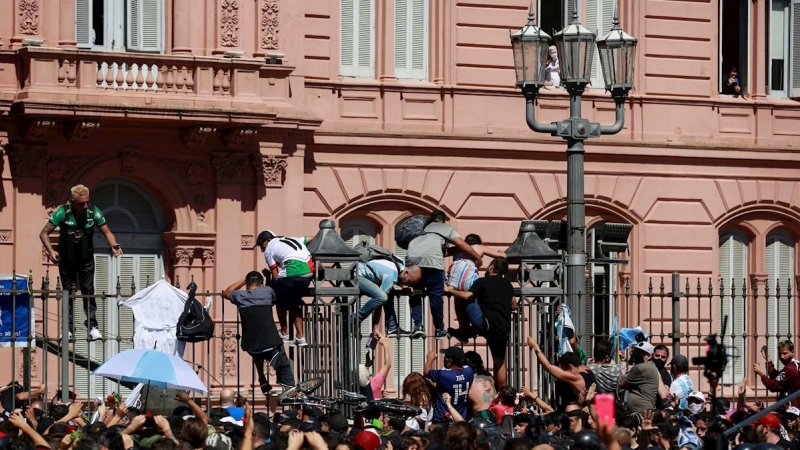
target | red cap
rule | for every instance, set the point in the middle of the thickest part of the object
(367, 440)
(770, 421)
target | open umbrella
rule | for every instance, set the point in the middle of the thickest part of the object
(153, 368)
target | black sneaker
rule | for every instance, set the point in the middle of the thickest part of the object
(440, 334)
(397, 332)
(456, 334)
(419, 331)
(265, 388)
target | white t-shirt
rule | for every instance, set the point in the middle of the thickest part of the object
(290, 256)
(552, 73)
(682, 387)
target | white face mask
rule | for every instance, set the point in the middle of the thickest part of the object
(695, 408)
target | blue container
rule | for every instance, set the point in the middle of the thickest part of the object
(14, 309)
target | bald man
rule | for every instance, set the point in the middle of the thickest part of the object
(227, 399)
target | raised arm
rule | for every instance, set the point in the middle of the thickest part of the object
(466, 248)
(488, 251)
(429, 362)
(226, 294)
(198, 412)
(559, 373)
(387, 355)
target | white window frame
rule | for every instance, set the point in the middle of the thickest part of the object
(744, 67)
(404, 70)
(784, 93)
(355, 70)
(117, 27)
(604, 22)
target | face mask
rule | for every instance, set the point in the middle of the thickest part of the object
(660, 363)
(695, 408)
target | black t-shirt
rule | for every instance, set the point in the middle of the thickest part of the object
(7, 397)
(494, 294)
(258, 325)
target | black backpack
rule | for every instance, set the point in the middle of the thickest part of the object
(194, 324)
(371, 252)
(410, 229)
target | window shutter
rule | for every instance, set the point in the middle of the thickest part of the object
(354, 233)
(780, 269)
(569, 8)
(411, 39)
(83, 23)
(347, 44)
(84, 382)
(733, 272)
(593, 22)
(366, 39)
(145, 25)
(794, 56)
(401, 40)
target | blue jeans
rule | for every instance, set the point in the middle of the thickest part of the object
(377, 298)
(475, 317)
(433, 282)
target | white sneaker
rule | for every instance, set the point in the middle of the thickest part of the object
(285, 337)
(300, 342)
(69, 336)
(94, 333)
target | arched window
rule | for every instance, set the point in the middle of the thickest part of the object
(601, 311)
(732, 299)
(359, 229)
(779, 258)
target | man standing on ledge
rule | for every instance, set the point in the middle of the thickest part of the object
(76, 222)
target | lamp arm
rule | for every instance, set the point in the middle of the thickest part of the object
(530, 115)
(620, 117)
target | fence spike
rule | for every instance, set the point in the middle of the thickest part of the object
(178, 281)
(133, 285)
(30, 279)
(119, 286)
(58, 283)
(744, 287)
(650, 285)
(789, 290)
(711, 288)
(755, 288)
(661, 287)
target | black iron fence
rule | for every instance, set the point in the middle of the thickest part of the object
(679, 313)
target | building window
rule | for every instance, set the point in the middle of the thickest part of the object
(411, 39)
(733, 44)
(783, 43)
(120, 25)
(733, 299)
(357, 38)
(599, 17)
(780, 270)
(601, 310)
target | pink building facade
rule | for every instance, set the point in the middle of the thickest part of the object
(199, 123)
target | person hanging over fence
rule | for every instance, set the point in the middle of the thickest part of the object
(463, 272)
(76, 222)
(375, 280)
(783, 381)
(572, 377)
(292, 267)
(260, 337)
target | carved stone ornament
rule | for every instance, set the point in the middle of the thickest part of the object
(229, 352)
(35, 129)
(196, 136)
(34, 363)
(229, 23)
(208, 257)
(228, 166)
(183, 256)
(29, 17)
(26, 160)
(80, 130)
(195, 174)
(234, 138)
(273, 168)
(59, 171)
(247, 241)
(5, 236)
(269, 24)
(129, 158)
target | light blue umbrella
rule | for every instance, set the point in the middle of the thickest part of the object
(153, 368)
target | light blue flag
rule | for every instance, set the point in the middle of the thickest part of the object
(563, 323)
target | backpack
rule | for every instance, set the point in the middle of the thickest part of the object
(194, 324)
(371, 252)
(410, 229)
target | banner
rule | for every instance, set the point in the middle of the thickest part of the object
(15, 310)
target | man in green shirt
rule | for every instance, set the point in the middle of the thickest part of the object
(76, 222)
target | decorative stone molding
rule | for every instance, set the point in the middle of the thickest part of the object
(273, 169)
(234, 138)
(196, 136)
(228, 166)
(129, 158)
(29, 17)
(35, 129)
(208, 257)
(229, 346)
(183, 256)
(248, 241)
(194, 174)
(59, 171)
(34, 363)
(229, 23)
(27, 161)
(269, 25)
(80, 130)
(6, 235)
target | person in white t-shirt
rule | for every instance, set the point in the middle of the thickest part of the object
(292, 267)
(552, 75)
(682, 384)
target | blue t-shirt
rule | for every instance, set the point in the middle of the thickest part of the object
(455, 382)
(236, 412)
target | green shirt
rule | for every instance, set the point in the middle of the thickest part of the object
(582, 354)
(75, 233)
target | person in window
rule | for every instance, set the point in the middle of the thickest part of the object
(292, 267)
(552, 71)
(76, 222)
(731, 85)
(260, 337)
(784, 380)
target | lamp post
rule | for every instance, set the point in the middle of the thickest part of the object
(576, 47)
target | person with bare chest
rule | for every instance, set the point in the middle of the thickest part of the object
(482, 391)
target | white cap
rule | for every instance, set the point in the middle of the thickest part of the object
(645, 347)
(698, 395)
(793, 410)
(363, 375)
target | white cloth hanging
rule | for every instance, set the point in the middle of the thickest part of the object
(156, 310)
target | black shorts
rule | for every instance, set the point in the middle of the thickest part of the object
(497, 341)
(289, 291)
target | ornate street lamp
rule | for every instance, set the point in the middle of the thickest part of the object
(576, 49)
(530, 44)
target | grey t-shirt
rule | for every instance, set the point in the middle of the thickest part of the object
(427, 250)
(642, 387)
(607, 376)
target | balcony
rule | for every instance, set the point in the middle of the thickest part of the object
(57, 82)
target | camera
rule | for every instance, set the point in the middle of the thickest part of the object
(716, 358)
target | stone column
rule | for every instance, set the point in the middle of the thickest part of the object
(181, 26)
(229, 168)
(27, 175)
(66, 20)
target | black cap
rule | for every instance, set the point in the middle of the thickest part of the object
(455, 354)
(263, 237)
